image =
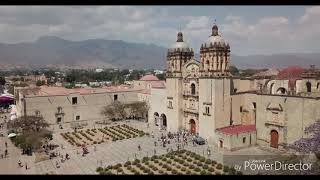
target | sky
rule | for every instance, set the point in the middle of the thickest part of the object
(248, 29)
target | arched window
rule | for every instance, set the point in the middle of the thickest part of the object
(271, 88)
(308, 84)
(193, 89)
(281, 90)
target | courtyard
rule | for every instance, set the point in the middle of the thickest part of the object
(120, 151)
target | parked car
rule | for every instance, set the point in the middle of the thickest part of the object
(199, 140)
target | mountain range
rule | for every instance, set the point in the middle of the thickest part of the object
(51, 51)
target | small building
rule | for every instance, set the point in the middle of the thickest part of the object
(236, 137)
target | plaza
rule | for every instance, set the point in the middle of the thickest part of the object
(106, 154)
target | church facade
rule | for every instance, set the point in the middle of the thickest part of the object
(232, 113)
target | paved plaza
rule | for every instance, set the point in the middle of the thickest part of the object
(104, 154)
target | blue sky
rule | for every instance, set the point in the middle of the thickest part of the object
(248, 29)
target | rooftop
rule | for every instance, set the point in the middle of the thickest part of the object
(235, 129)
(291, 72)
(149, 77)
(60, 91)
(158, 84)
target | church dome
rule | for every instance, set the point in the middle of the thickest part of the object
(215, 38)
(180, 45)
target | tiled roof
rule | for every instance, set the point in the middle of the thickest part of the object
(158, 84)
(149, 77)
(58, 91)
(235, 129)
(292, 72)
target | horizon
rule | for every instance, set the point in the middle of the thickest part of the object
(250, 30)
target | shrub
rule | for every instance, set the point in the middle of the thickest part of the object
(137, 160)
(120, 170)
(99, 169)
(197, 169)
(108, 173)
(156, 161)
(211, 169)
(202, 159)
(155, 168)
(145, 159)
(160, 163)
(208, 161)
(174, 171)
(128, 163)
(191, 166)
(145, 171)
(169, 162)
(118, 165)
(189, 159)
(94, 142)
(205, 166)
(169, 168)
(203, 172)
(129, 167)
(183, 169)
(225, 169)
(188, 172)
(217, 173)
(219, 166)
(232, 171)
(214, 162)
(199, 164)
(161, 172)
(146, 163)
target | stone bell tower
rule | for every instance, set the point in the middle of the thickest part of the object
(214, 85)
(177, 56)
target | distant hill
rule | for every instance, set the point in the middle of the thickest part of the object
(54, 51)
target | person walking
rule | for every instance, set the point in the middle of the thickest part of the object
(26, 166)
(155, 143)
(19, 163)
(6, 144)
(139, 147)
(5, 153)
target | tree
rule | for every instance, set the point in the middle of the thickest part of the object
(39, 83)
(234, 70)
(28, 124)
(115, 110)
(33, 131)
(309, 145)
(2, 81)
(161, 76)
(138, 108)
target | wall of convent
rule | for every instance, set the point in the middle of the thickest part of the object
(88, 107)
(289, 116)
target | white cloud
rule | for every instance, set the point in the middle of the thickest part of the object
(197, 22)
(144, 24)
